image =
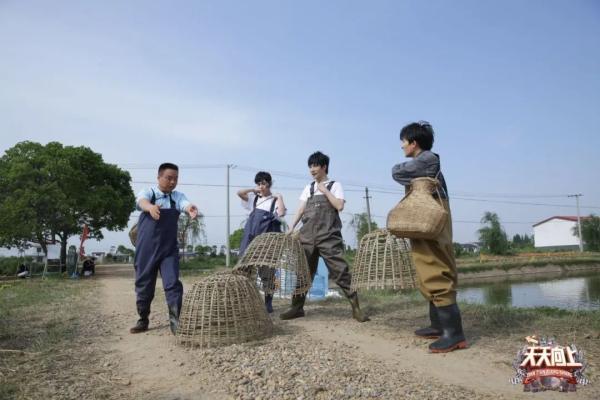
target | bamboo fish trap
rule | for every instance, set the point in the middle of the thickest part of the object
(222, 309)
(383, 261)
(277, 263)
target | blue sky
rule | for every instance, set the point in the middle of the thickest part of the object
(511, 88)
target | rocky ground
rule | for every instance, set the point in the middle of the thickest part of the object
(325, 355)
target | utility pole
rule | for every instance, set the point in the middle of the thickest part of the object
(577, 196)
(367, 197)
(227, 252)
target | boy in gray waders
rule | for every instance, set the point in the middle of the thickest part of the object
(266, 209)
(321, 234)
(434, 258)
(156, 245)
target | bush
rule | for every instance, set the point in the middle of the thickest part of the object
(205, 262)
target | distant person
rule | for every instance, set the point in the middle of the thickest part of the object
(156, 245)
(266, 210)
(434, 259)
(23, 271)
(321, 234)
(89, 267)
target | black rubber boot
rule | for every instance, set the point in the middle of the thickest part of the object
(452, 337)
(174, 318)
(357, 313)
(142, 323)
(435, 330)
(296, 310)
(269, 303)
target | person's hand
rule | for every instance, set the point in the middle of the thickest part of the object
(193, 211)
(290, 230)
(154, 211)
(322, 187)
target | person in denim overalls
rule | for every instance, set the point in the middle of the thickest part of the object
(266, 211)
(156, 246)
(321, 234)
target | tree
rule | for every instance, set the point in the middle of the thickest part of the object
(189, 230)
(235, 239)
(492, 236)
(522, 241)
(54, 190)
(125, 251)
(458, 249)
(203, 250)
(590, 230)
(360, 224)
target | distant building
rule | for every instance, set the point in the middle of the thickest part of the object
(556, 232)
(472, 248)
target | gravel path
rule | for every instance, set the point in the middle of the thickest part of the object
(326, 355)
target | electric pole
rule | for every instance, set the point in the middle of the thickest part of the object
(367, 197)
(577, 196)
(227, 250)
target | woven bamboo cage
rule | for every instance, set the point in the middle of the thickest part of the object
(418, 215)
(277, 263)
(222, 309)
(383, 261)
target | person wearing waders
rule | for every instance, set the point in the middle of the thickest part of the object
(434, 259)
(321, 234)
(266, 209)
(156, 245)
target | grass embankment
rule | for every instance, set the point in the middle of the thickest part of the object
(42, 322)
(536, 260)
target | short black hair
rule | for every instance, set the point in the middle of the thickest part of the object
(263, 176)
(420, 132)
(320, 159)
(167, 165)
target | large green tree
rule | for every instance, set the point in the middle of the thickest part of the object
(492, 236)
(54, 190)
(590, 230)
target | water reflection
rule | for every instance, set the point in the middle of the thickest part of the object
(581, 292)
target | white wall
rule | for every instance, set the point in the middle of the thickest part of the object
(556, 232)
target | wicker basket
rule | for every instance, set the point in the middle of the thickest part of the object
(133, 234)
(222, 309)
(276, 261)
(383, 261)
(418, 215)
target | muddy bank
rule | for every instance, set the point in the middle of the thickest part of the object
(526, 272)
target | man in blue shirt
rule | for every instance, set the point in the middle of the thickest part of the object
(156, 245)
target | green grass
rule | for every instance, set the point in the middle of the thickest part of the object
(488, 320)
(35, 314)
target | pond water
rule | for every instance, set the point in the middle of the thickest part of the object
(580, 292)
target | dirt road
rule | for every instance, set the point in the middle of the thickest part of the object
(324, 355)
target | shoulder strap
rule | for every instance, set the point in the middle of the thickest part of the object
(312, 187)
(153, 199)
(171, 201)
(273, 205)
(255, 201)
